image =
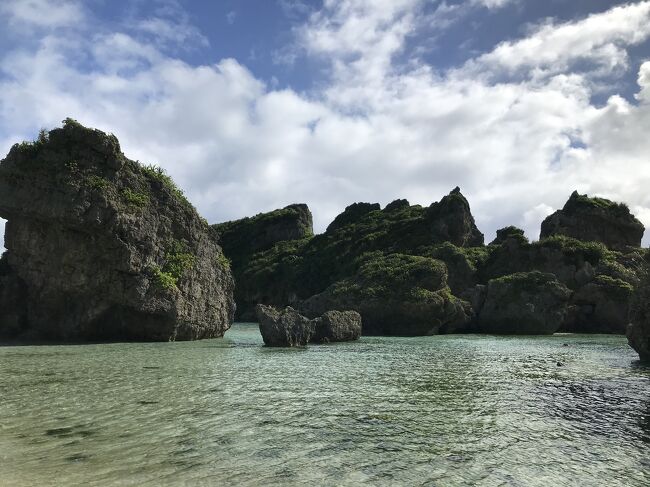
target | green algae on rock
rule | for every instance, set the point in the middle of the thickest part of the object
(105, 248)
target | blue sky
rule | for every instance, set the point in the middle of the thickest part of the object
(252, 105)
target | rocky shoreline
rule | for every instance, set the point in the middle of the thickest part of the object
(102, 248)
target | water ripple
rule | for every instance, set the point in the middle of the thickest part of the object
(446, 410)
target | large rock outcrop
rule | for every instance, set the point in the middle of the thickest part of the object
(241, 239)
(288, 328)
(530, 303)
(597, 220)
(601, 280)
(600, 306)
(395, 294)
(103, 248)
(292, 271)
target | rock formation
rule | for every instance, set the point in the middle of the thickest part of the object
(507, 233)
(337, 326)
(452, 221)
(241, 239)
(638, 331)
(530, 303)
(288, 328)
(351, 215)
(395, 295)
(595, 220)
(100, 247)
(600, 306)
(291, 271)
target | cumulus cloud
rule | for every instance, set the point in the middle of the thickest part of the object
(374, 130)
(600, 41)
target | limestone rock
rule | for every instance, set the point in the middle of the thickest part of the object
(242, 239)
(105, 248)
(595, 219)
(530, 303)
(638, 331)
(600, 306)
(337, 326)
(287, 328)
(451, 221)
(351, 214)
(396, 295)
(506, 233)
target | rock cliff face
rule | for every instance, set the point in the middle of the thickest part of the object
(288, 328)
(102, 248)
(595, 219)
(241, 239)
(531, 303)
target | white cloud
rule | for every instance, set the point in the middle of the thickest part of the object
(172, 32)
(493, 4)
(231, 16)
(42, 13)
(600, 40)
(374, 131)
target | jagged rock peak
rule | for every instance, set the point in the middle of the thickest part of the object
(351, 214)
(105, 248)
(595, 219)
(453, 222)
(397, 205)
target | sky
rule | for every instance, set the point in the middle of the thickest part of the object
(252, 105)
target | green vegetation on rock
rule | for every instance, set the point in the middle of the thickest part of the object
(135, 199)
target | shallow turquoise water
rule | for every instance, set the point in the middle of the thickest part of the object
(442, 410)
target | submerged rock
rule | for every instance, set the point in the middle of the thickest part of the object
(531, 303)
(595, 219)
(288, 328)
(104, 248)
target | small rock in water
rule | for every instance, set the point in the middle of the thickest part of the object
(560, 364)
